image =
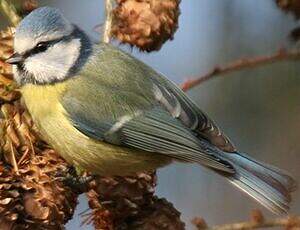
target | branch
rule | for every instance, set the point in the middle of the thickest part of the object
(281, 55)
(108, 20)
(257, 221)
(10, 11)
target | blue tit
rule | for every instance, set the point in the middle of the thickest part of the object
(106, 112)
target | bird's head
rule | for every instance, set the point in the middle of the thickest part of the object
(48, 48)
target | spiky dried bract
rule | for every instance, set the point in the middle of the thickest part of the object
(146, 24)
(32, 199)
(7, 86)
(122, 197)
(19, 135)
(129, 203)
(291, 6)
(100, 217)
(160, 214)
(31, 196)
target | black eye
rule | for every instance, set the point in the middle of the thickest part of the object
(41, 47)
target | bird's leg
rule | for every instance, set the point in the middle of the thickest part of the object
(78, 183)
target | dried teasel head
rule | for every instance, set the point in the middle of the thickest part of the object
(31, 196)
(129, 203)
(146, 24)
(160, 214)
(119, 198)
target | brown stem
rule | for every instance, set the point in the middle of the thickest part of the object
(108, 20)
(10, 11)
(281, 55)
(257, 221)
(280, 222)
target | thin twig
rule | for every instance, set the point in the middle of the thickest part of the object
(10, 11)
(108, 21)
(281, 55)
(257, 221)
(279, 222)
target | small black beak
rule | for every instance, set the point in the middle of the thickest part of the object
(15, 59)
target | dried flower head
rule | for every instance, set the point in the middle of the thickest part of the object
(146, 24)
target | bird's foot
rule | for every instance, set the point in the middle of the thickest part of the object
(70, 178)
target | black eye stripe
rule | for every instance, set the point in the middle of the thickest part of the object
(42, 46)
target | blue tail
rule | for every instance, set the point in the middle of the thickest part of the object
(268, 185)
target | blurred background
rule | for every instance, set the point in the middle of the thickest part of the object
(258, 108)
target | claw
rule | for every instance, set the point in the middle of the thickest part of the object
(78, 184)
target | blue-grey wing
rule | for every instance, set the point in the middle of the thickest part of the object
(123, 70)
(142, 125)
(156, 131)
(185, 110)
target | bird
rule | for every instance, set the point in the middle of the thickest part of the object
(106, 112)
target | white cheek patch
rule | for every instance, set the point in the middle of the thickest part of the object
(54, 64)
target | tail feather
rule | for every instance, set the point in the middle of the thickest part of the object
(278, 175)
(260, 191)
(268, 185)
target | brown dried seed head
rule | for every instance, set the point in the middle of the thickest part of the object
(120, 198)
(34, 199)
(146, 24)
(257, 216)
(200, 223)
(129, 203)
(160, 214)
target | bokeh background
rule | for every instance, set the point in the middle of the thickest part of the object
(258, 108)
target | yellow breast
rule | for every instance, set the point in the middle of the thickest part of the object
(43, 103)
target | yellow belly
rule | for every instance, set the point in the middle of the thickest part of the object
(76, 148)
